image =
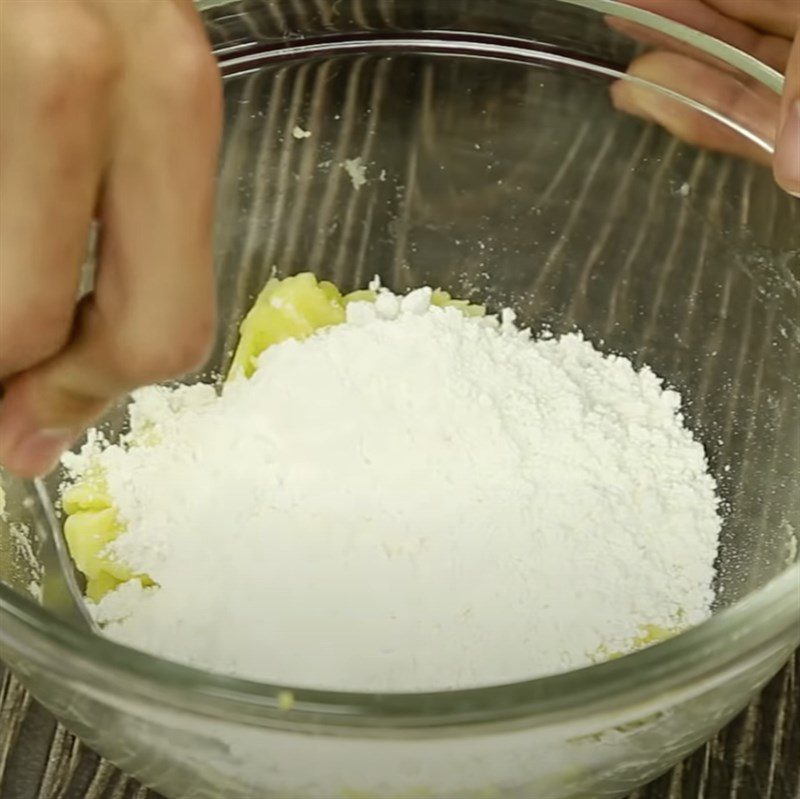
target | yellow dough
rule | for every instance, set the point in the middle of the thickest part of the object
(90, 526)
(442, 299)
(294, 307)
(650, 634)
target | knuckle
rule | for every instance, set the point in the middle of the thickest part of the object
(166, 352)
(33, 341)
(191, 347)
(195, 75)
(67, 68)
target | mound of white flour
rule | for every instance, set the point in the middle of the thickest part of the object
(413, 500)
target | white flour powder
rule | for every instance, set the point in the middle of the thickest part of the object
(413, 500)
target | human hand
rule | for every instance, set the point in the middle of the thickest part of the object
(766, 29)
(108, 110)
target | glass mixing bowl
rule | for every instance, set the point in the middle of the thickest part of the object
(495, 166)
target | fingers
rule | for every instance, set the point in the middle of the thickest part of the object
(787, 147)
(738, 22)
(722, 18)
(719, 90)
(780, 17)
(151, 316)
(50, 169)
(698, 15)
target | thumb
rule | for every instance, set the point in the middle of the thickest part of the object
(36, 426)
(787, 147)
(45, 409)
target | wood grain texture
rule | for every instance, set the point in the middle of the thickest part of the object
(757, 756)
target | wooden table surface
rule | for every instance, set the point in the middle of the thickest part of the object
(757, 756)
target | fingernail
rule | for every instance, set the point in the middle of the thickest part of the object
(787, 151)
(36, 453)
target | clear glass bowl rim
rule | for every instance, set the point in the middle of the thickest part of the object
(767, 619)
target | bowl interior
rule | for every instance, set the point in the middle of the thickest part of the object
(507, 177)
(516, 183)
